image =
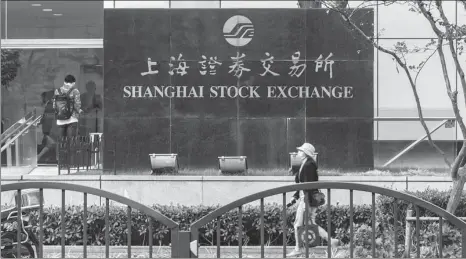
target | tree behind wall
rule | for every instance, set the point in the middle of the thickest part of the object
(10, 65)
(448, 35)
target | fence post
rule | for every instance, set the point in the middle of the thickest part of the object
(17, 152)
(407, 252)
(114, 155)
(57, 154)
(68, 151)
(180, 243)
(9, 159)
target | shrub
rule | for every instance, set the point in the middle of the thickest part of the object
(186, 215)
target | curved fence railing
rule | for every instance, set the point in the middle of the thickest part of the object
(152, 215)
(398, 196)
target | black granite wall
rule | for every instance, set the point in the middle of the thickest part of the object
(265, 128)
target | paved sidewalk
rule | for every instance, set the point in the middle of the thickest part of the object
(50, 170)
(17, 170)
(165, 252)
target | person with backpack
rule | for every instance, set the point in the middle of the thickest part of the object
(307, 173)
(67, 106)
(47, 120)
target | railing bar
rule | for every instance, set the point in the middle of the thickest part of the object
(41, 223)
(429, 218)
(395, 224)
(351, 225)
(262, 229)
(397, 119)
(85, 227)
(151, 238)
(107, 228)
(63, 225)
(218, 237)
(329, 225)
(19, 223)
(128, 224)
(373, 226)
(240, 229)
(418, 225)
(306, 223)
(440, 242)
(284, 225)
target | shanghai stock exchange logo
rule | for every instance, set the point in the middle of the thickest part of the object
(238, 30)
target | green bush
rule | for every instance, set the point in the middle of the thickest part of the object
(185, 215)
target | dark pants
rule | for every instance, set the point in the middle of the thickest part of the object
(68, 130)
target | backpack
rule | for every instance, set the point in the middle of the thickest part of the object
(64, 105)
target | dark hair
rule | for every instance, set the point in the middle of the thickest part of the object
(70, 79)
(46, 96)
(42, 95)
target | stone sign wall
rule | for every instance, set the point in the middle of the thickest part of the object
(204, 83)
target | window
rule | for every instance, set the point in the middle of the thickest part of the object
(53, 19)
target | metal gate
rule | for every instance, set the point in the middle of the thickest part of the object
(193, 235)
(38, 203)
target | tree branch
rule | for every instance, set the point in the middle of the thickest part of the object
(459, 69)
(452, 94)
(423, 65)
(408, 74)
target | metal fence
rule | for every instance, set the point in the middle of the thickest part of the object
(152, 214)
(351, 187)
(185, 244)
(79, 153)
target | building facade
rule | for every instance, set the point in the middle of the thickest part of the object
(54, 38)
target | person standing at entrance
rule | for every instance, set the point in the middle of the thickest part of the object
(307, 173)
(67, 106)
(91, 106)
(47, 120)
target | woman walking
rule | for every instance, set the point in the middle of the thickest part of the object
(307, 173)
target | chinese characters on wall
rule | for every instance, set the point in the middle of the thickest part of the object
(237, 67)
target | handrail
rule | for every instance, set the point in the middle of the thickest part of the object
(394, 119)
(330, 185)
(412, 145)
(19, 134)
(28, 115)
(89, 190)
(17, 126)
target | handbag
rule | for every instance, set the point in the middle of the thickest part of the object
(319, 198)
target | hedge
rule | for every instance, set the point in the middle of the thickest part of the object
(185, 215)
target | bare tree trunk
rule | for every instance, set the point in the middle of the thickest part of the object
(408, 234)
(457, 175)
(403, 65)
(457, 191)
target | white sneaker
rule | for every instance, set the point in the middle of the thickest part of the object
(295, 252)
